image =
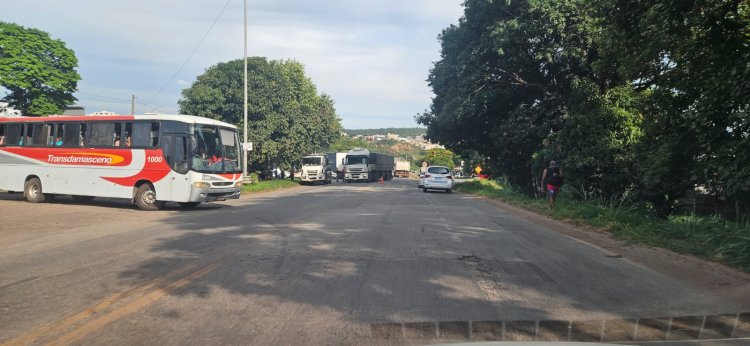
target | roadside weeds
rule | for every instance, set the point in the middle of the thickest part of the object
(269, 185)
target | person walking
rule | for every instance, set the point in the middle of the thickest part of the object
(552, 180)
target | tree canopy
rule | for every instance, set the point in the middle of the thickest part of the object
(39, 72)
(440, 157)
(287, 118)
(638, 98)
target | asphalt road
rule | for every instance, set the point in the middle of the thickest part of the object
(337, 264)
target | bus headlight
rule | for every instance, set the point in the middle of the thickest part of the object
(202, 185)
(238, 184)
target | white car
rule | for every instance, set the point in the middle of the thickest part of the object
(437, 178)
(421, 180)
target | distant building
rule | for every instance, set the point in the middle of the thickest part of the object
(392, 136)
(74, 110)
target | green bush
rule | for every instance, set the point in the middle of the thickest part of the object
(269, 185)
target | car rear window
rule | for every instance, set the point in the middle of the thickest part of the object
(438, 170)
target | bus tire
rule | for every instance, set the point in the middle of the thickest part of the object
(32, 191)
(145, 198)
(188, 205)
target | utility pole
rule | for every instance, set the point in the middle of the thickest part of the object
(244, 108)
(132, 104)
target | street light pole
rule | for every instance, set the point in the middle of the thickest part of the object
(244, 108)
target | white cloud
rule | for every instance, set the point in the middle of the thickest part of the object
(371, 57)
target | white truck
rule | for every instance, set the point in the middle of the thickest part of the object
(362, 165)
(336, 162)
(315, 168)
(402, 168)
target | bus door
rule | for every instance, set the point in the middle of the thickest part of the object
(175, 149)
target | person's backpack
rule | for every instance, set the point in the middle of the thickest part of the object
(553, 177)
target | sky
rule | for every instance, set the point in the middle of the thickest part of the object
(372, 57)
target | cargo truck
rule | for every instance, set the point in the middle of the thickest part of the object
(362, 165)
(336, 163)
(402, 168)
(315, 168)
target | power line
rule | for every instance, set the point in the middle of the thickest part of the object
(191, 55)
(104, 96)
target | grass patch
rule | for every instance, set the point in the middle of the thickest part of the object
(712, 238)
(269, 185)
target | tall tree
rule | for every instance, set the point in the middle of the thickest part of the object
(39, 72)
(287, 118)
(505, 72)
(692, 55)
(440, 157)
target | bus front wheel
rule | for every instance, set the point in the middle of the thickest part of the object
(32, 190)
(145, 198)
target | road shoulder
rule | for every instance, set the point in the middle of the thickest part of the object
(723, 280)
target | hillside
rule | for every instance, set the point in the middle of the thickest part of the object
(401, 131)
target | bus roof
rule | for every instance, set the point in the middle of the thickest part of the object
(192, 119)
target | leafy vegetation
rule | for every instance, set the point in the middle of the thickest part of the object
(440, 157)
(643, 100)
(39, 72)
(401, 131)
(287, 118)
(713, 238)
(269, 185)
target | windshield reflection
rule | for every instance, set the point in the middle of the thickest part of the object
(215, 150)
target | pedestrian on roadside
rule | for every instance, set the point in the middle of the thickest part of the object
(552, 181)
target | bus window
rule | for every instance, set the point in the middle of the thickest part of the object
(59, 135)
(101, 134)
(127, 134)
(141, 134)
(12, 134)
(180, 154)
(175, 127)
(83, 138)
(117, 140)
(39, 134)
(28, 133)
(72, 135)
(154, 134)
(2, 134)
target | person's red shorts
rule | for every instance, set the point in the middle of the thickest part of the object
(552, 189)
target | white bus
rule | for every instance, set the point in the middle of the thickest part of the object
(151, 159)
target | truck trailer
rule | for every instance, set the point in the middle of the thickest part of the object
(402, 168)
(362, 165)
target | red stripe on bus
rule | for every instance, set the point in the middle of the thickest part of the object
(76, 156)
(154, 169)
(52, 119)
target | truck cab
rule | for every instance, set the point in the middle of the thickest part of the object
(356, 165)
(362, 165)
(315, 168)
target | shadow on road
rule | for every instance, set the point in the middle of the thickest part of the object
(390, 258)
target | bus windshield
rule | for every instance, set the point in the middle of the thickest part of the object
(215, 150)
